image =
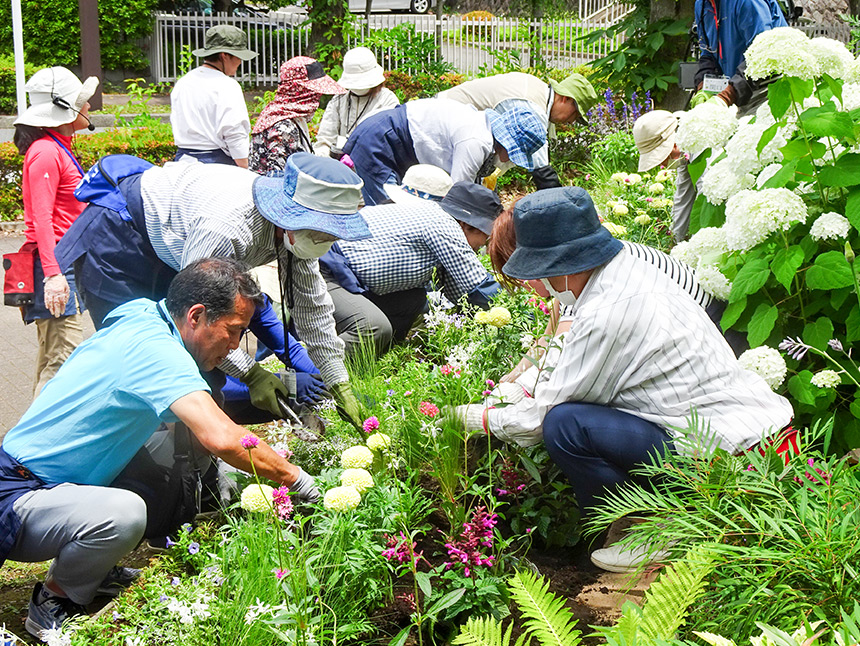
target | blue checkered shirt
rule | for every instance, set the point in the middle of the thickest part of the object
(408, 243)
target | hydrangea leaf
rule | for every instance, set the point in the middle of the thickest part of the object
(800, 88)
(779, 97)
(785, 264)
(761, 324)
(830, 271)
(852, 208)
(751, 278)
(845, 171)
(732, 313)
(827, 122)
(766, 137)
(801, 388)
(835, 86)
(852, 325)
(818, 332)
(783, 176)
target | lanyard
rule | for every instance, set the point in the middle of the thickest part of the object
(717, 27)
(67, 151)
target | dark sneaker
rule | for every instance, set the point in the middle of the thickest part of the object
(117, 580)
(48, 612)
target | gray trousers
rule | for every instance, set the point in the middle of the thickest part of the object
(685, 195)
(85, 529)
(358, 321)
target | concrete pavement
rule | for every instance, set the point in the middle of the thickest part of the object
(18, 346)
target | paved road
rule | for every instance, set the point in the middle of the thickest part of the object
(18, 347)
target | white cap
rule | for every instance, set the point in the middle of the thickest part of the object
(360, 70)
(56, 96)
(421, 182)
(654, 135)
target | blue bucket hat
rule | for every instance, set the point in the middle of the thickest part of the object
(558, 233)
(316, 193)
(473, 204)
(520, 131)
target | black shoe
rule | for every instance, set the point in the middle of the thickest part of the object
(49, 612)
(117, 580)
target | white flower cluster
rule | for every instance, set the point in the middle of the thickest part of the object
(826, 379)
(356, 457)
(359, 479)
(664, 176)
(379, 442)
(851, 96)
(703, 253)
(751, 216)
(714, 282)
(833, 57)
(742, 149)
(341, 498)
(783, 50)
(617, 230)
(189, 612)
(629, 179)
(257, 498)
(767, 363)
(830, 226)
(460, 355)
(708, 125)
(852, 73)
(723, 179)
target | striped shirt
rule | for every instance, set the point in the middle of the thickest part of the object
(640, 344)
(678, 271)
(408, 243)
(196, 210)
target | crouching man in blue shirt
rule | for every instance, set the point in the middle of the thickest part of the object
(141, 369)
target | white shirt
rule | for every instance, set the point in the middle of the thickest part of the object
(639, 343)
(208, 112)
(453, 136)
(345, 111)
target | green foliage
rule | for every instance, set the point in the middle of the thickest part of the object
(419, 86)
(408, 50)
(8, 92)
(52, 34)
(617, 151)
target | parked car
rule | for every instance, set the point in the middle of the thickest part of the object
(415, 6)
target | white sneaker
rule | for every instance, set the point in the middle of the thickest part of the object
(618, 558)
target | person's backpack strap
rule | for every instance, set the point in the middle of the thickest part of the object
(100, 184)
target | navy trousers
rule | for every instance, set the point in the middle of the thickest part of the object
(597, 447)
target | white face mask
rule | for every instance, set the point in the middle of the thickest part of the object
(361, 92)
(304, 247)
(566, 297)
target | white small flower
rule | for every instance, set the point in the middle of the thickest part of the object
(656, 188)
(620, 209)
(632, 179)
(643, 219)
(621, 178)
(664, 176)
(830, 226)
(850, 96)
(360, 479)
(256, 611)
(722, 180)
(685, 253)
(767, 363)
(55, 637)
(714, 282)
(708, 125)
(526, 341)
(826, 379)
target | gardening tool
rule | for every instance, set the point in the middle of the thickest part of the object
(306, 426)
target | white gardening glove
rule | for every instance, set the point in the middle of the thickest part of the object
(321, 150)
(469, 416)
(305, 488)
(56, 294)
(505, 394)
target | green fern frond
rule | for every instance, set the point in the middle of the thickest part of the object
(669, 597)
(545, 615)
(486, 631)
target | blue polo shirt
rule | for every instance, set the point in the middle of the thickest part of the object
(106, 400)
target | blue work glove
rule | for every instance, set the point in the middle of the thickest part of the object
(310, 389)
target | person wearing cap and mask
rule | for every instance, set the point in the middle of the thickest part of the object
(464, 142)
(641, 360)
(207, 108)
(556, 103)
(181, 212)
(654, 135)
(363, 78)
(431, 226)
(43, 134)
(282, 128)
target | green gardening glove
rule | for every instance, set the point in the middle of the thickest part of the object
(264, 388)
(699, 98)
(347, 404)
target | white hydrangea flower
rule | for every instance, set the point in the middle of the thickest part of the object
(706, 246)
(830, 226)
(708, 125)
(766, 173)
(783, 50)
(685, 253)
(833, 57)
(767, 363)
(742, 148)
(714, 282)
(852, 72)
(722, 180)
(751, 216)
(832, 150)
(826, 379)
(358, 478)
(850, 96)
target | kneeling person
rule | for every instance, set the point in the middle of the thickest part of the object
(141, 369)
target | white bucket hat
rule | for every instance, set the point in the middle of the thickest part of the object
(421, 183)
(654, 135)
(56, 97)
(360, 70)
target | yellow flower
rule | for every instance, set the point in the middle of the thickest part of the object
(360, 479)
(656, 188)
(661, 203)
(482, 318)
(664, 176)
(615, 229)
(257, 498)
(341, 498)
(642, 219)
(356, 457)
(620, 209)
(499, 316)
(633, 178)
(618, 177)
(378, 442)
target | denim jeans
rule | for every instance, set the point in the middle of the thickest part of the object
(597, 447)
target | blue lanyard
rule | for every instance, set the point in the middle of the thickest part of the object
(68, 152)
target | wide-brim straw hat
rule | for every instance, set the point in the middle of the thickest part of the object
(654, 135)
(56, 97)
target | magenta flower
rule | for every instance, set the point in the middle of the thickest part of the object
(282, 502)
(280, 573)
(370, 424)
(487, 393)
(429, 409)
(249, 441)
(490, 383)
(401, 549)
(467, 549)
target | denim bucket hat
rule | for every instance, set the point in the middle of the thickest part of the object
(473, 204)
(558, 233)
(316, 193)
(521, 133)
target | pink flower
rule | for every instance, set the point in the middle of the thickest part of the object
(370, 424)
(485, 393)
(447, 369)
(280, 573)
(249, 441)
(490, 383)
(282, 502)
(429, 409)
(407, 393)
(284, 453)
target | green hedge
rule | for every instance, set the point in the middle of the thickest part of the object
(52, 32)
(8, 96)
(154, 143)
